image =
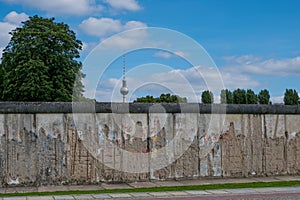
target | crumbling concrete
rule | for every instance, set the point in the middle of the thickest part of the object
(60, 147)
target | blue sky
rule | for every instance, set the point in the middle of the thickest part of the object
(254, 44)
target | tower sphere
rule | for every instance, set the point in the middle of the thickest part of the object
(124, 90)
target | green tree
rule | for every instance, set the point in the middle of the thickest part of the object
(264, 97)
(168, 98)
(226, 96)
(147, 99)
(35, 84)
(291, 97)
(178, 99)
(39, 63)
(1, 82)
(163, 98)
(239, 96)
(207, 97)
(251, 97)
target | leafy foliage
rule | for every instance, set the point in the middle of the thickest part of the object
(39, 63)
(207, 97)
(1, 81)
(239, 96)
(264, 97)
(147, 99)
(226, 96)
(33, 85)
(251, 97)
(291, 97)
(164, 98)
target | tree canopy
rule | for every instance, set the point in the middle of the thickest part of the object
(163, 98)
(291, 97)
(239, 96)
(40, 63)
(207, 97)
(226, 96)
(251, 97)
(264, 97)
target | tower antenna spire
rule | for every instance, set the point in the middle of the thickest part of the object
(124, 67)
(124, 90)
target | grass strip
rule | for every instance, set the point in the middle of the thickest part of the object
(161, 189)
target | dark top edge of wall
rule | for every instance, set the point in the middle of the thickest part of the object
(80, 107)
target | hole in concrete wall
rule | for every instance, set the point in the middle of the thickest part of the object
(42, 132)
(105, 130)
(139, 129)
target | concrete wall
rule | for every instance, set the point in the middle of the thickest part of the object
(47, 144)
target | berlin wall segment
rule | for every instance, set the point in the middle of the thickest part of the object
(41, 144)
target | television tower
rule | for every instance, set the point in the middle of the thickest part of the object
(124, 90)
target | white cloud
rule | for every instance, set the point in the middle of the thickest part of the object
(181, 54)
(133, 25)
(238, 80)
(5, 28)
(105, 27)
(1, 51)
(186, 83)
(126, 40)
(131, 5)
(102, 27)
(11, 21)
(277, 99)
(242, 59)
(122, 42)
(163, 54)
(203, 77)
(256, 66)
(62, 7)
(15, 18)
(85, 46)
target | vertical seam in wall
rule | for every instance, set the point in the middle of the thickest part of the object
(148, 146)
(122, 173)
(251, 141)
(6, 141)
(265, 141)
(173, 167)
(221, 147)
(114, 150)
(276, 124)
(198, 145)
(285, 145)
(66, 139)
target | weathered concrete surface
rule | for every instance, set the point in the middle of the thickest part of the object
(55, 147)
(83, 107)
(261, 145)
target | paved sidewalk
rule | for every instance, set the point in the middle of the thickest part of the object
(140, 195)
